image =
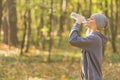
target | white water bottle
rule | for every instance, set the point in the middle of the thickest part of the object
(75, 16)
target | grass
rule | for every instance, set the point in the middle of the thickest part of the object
(36, 67)
(23, 68)
(111, 67)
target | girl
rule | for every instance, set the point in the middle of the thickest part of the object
(91, 45)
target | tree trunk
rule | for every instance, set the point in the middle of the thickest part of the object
(6, 27)
(78, 7)
(39, 32)
(61, 23)
(12, 16)
(106, 6)
(106, 30)
(42, 36)
(112, 29)
(85, 10)
(116, 17)
(0, 16)
(50, 30)
(24, 34)
(101, 7)
(27, 30)
(6, 30)
(90, 7)
(28, 26)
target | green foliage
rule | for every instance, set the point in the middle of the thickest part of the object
(114, 58)
(45, 29)
(42, 8)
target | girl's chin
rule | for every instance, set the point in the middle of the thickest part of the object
(87, 26)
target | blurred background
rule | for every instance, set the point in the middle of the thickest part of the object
(34, 39)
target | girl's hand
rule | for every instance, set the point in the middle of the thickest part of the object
(79, 19)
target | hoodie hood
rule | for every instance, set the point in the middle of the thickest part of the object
(104, 38)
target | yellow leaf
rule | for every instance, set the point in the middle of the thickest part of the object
(64, 78)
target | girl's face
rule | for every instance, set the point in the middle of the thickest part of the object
(91, 23)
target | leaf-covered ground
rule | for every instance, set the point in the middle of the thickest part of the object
(35, 68)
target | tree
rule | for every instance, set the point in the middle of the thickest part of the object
(78, 6)
(40, 27)
(24, 34)
(6, 36)
(0, 15)
(113, 29)
(50, 30)
(12, 17)
(27, 28)
(106, 30)
(116, 23)
(90, 7)
(6, 30)
(61, 22)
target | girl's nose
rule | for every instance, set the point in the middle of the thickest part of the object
(87, 19)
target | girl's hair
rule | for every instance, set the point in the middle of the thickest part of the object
(105, 29)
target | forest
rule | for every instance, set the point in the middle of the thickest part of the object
(34, 39)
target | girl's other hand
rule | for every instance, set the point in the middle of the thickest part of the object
(79, 19)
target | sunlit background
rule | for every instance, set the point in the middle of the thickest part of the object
(34, 39)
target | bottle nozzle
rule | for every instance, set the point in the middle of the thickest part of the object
(84, 22)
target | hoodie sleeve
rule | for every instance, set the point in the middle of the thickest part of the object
(76, 40)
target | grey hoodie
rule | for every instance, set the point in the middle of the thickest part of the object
(92, 52)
